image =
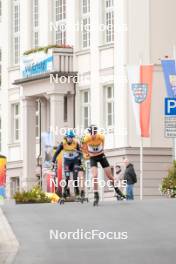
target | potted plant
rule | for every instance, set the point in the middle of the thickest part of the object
(168, 185)
(36, 195)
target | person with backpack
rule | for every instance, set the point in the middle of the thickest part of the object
(131, 179)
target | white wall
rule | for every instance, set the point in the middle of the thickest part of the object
(5, 44)
(138, 31)
(162, 27)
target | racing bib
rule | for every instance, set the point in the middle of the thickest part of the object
(95, 148)
(70, 154)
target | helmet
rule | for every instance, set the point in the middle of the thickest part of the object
(93, 129)
(70, 134)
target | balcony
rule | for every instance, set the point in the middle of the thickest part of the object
(43, 62)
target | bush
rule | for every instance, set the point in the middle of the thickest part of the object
(36, 195)
(45, 49)
(168, 185)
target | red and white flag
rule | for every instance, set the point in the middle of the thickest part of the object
(140, 80)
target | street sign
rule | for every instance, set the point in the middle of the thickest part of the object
(170, 106)
(170, 117)
(170, 127)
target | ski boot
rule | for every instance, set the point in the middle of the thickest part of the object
(62, 201)
(119, 195)
(96, 199)
(83, 198)
(68, 192)
(77, 198)
(77, 195)
(64, 196)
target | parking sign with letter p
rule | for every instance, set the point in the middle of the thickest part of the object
(170, 106)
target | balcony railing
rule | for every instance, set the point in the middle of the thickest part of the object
(63, 59)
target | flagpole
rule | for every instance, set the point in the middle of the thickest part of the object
(141, 168)
(141, 157)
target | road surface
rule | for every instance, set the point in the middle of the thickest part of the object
(149, 225)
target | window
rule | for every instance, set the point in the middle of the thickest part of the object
(0, 67)
(109, 3)
(37, 119)
(60, 10)
(86, 32)
(16, 50)
(109, 106)
(61, 36)
(0, 9)
(14, 185)
(85, 6)
(109, 20)
(0, 134)
(65, 108)
(85, 21)
(36, 13)
(35, 23)
(85, 109)
(16, 122)
(60, 19)
(16, 31)
(36, 39)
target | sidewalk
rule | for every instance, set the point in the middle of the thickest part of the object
(8, 243)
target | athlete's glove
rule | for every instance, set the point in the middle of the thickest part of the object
(52, 165)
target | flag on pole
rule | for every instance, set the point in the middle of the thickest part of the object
(169, 69)
(140, 80)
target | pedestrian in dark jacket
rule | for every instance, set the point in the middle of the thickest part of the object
(131, 179)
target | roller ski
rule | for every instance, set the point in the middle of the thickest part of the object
(66, 194)
(77, 198)
(83, 198)
(119, 198)
(119, 195)
(96, 199)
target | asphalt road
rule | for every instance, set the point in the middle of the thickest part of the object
(150, 226)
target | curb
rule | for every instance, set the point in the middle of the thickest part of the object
(8, 242)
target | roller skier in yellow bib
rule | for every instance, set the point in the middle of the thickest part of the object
(72, 161)
(94, 143)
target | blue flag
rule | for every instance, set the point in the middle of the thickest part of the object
(169, 69)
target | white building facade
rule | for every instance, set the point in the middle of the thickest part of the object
(121, 32)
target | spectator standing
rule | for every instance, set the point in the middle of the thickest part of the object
(131, 179)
